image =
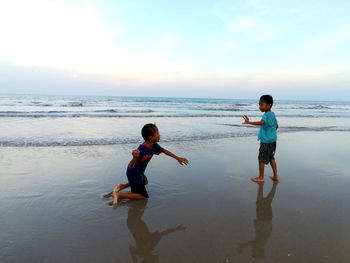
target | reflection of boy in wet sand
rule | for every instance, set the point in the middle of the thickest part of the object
(145, 241)
(262, 223)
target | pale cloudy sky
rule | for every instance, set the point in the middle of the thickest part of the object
(199, 48)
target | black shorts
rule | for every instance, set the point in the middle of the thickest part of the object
(267, 152)
(140, 188)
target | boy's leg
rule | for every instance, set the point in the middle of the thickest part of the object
(138, 192)
(131, 196)
(261, 170)
(260, 178)
(120, 187)
(116, 189)
(108, 195)
(261, 157)
(274, 169)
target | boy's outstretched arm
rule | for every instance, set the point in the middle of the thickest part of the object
(181, 160)
(247, 121)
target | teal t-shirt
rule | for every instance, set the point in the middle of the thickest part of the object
(268, 131)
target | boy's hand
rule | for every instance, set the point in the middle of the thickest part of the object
(182, 160)
(246, 119)
(135, 153)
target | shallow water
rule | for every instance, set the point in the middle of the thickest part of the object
(209, 211)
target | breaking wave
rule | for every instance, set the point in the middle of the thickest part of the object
(36, 142)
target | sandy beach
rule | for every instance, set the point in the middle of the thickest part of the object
(209, 211)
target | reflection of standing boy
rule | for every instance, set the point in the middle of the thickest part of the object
(267, 137)
(262, 223)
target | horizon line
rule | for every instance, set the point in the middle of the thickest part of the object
(172, 97)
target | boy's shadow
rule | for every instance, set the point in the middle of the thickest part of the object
(145, 240)
(262, 223)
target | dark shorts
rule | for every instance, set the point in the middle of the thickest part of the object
(140, 188)
(267, 152)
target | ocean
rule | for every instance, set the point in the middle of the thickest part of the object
(34, 121)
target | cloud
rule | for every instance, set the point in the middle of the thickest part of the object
(288, 77)
(255, 29)
(243, 24)
(53, 35)
(40, 33)
(327, 42)
(220, 15)
(225, 46)
(316, 73)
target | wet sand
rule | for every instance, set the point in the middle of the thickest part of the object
(51, 209)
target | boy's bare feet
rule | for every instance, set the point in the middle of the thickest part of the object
(115, 202)
(275, 178)
(257, 180)
(118, 188)
(108, 195)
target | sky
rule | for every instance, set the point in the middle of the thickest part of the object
(225, 48)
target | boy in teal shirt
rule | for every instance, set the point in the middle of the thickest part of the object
(267, 137)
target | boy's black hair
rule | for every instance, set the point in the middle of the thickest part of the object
(148, 130)
(267, 99)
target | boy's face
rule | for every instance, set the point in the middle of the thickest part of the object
(156, 136)
(263, 106)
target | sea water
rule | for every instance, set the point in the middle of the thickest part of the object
(42, 120)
